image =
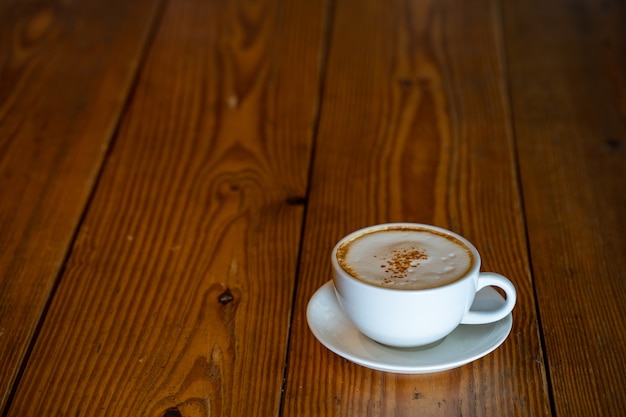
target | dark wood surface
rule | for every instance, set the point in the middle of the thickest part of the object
(174, 174)
(567, 66)
(66, 72)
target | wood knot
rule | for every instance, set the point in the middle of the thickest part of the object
(172, 412)
(613, 143)
(225, 297)
(296, 200)
(405, 83)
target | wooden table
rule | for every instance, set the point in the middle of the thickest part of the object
(173, 175)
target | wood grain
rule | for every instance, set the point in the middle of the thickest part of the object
(173, 173)
(66, 69)
(567, 65)
(177, 295)
(416, 127)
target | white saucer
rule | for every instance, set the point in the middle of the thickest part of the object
(465, 344)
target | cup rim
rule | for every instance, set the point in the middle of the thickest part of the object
(471, 272)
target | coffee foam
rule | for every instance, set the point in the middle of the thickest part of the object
(405, 257)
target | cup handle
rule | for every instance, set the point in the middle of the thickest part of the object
(489, 316)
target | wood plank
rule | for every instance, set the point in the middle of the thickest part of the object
(66, 69)
(178, 291)
(567, 65)
(415, 127)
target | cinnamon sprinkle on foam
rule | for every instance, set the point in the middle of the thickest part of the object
(402, 260)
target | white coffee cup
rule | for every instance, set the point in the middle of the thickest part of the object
(410, 285)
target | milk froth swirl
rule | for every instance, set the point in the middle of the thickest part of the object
(405, 257)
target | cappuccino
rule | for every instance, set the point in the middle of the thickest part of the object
(405, 257)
